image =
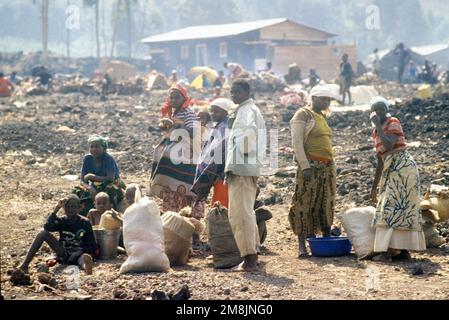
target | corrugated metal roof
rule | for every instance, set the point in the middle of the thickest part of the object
(217, 31)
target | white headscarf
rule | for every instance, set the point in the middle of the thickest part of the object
(225, 104)
(382, 100)
(321, 91)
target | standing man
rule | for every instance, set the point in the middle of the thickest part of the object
(376, 62)
(245, 152)
(404, 57)
(345, 78)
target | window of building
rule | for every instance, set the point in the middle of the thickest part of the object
(223, 50)
(184, 52)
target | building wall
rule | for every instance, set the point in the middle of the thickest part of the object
(325, 59)
(293, 31)
(237, 51)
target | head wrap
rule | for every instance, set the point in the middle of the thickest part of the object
(97, 138)
(382, 100)
(321, 91)
(167, 108)
(225, 104)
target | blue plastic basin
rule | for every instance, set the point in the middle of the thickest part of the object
(330, 246)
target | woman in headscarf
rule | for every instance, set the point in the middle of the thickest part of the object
(210, 169)
(176, 107)
(172, 177)
(313, 203)
(99, 173)
(398, 220)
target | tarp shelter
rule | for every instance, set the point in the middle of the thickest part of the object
(389, 62)
(361, 95)
(436, 53)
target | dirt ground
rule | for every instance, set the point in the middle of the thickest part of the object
(43, 140)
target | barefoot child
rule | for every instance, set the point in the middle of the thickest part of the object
(76, 241)
(102, 204)
(133, 193)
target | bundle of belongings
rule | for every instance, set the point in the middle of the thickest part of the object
(221, 239)
(156, 81)
(294, 99)
(435, 209)
(357, 223)
(178, 231)
(143, 235)
(266, 82)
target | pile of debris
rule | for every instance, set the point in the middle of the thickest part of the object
(24, 63)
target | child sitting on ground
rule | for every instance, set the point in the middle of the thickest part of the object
(76, 242)
(102, 204)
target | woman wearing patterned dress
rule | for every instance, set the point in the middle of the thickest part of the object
(397, 221)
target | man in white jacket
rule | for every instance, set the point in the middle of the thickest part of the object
(245, 153)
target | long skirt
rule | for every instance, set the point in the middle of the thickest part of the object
(172, 182)
(398, 219)
(313, 203)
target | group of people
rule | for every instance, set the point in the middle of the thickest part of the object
(39, 75)
(227, 161)
(395, 191)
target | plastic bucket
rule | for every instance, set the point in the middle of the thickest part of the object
(330, 246)
(108, 242)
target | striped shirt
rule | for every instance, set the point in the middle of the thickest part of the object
(391, 127)
(188, 116)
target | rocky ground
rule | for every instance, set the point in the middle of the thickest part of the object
(43, 140)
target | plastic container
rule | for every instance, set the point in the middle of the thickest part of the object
(330, 246)
(425, 91)
(108, 242)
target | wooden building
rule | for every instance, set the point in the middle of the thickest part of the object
(252, 44)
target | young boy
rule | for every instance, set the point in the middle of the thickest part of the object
(130, 193)
(102, 204)
(76, 241)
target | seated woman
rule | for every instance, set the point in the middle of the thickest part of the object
(99, 173)
(172, 177)
(398, 219)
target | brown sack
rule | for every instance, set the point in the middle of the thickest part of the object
(221, 239)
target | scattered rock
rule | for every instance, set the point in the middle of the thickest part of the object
(22, 216)
(417, 270)
(365, 148)
(159, 295)
(182, 295)
(20, 278)
(227, 291)
(46, 278)
(119, 294)
(336, 231)
(244, 289)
